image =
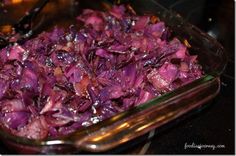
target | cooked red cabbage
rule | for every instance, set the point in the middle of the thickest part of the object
(63, 80)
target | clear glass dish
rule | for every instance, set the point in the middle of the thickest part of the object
(139, 120)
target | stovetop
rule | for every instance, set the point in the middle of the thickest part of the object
(205, 128)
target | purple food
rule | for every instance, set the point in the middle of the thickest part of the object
(66, 79)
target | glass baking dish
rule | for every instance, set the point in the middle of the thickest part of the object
(139, 120)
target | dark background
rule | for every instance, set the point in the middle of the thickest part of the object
(214, 124)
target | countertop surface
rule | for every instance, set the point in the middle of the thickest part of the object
(212, 126)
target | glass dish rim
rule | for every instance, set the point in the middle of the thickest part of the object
(58, 141)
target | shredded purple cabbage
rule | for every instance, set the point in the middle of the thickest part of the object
(63, 80)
